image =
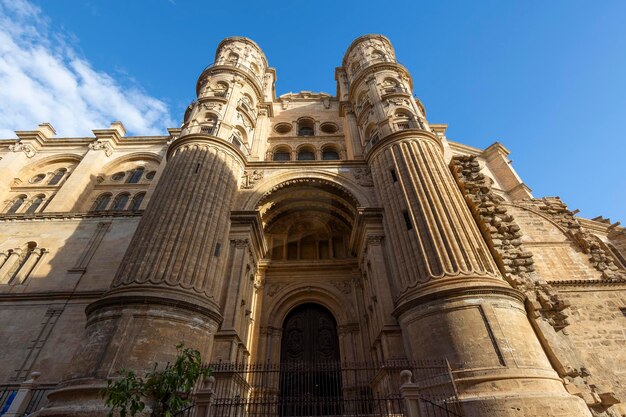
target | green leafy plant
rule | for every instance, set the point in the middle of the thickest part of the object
(166, 390)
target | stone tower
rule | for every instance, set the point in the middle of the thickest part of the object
(170, 283)
(305, 228)
(452, 300)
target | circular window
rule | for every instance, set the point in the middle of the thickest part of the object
(150, 175)
(329, 128)
(37, 178)
(118, 176)
(282, 128)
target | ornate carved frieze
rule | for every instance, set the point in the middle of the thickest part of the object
(363, 177)
(101, 146)
(274, 288)
(23, 147)
(344, 286)
(249, 178)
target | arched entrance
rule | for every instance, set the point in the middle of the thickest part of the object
(310, 379)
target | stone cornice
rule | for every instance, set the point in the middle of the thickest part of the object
(227, 68)
(208, 140)
(48, 295)
(123, 300)
(464, 290)
(589, 283)
(85, 141)
(417, 134)
(371, 69)
(70, 215)
(251, 219)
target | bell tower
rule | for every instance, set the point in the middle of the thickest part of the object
(169, 287)
(450, 298)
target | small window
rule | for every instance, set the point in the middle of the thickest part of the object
(330, 155)
(394, 177)
(355, 67)
(281, 155)
(221, 89)
(306, 155)
(282, 128)
(135, 176)
(232, 58)
(101, 203)
(377, 56)
(236, 140)
(150, 175)
(37, 178)
(16, 204)
(118, 176)
(407, 220)
(329, 128)
(306, 127)
(136, 202)
(36, 203)
(120, 202)
(58, 176)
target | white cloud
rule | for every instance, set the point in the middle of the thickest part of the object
(43, 79)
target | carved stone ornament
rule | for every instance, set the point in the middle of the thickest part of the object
(374, 239)
(343, 286)
(22, 147)
(363, 177)
(272, 289)
(101, 146)
(250, 178)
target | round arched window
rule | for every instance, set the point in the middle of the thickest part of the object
(306, 127)
(281, 155)
(306, 155)
(329, 128)
(282, 128)
(37, 178)
(118, 176)
(58, 176)
(330, 155)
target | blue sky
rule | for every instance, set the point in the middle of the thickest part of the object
(545, 78)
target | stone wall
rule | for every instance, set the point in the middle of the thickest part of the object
(43, 317)
(571, 280)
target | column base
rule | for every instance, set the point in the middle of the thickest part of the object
(526, 405)
(131, 333)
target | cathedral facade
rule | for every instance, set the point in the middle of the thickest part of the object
(304, 227)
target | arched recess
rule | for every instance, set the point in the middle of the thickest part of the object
(143, 157)
(267, 186)
(290, 296)
(128, 174)
(556, 256)
(66, 159)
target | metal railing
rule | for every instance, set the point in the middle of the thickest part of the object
(302, 389)
(37, 401)
(245, 68)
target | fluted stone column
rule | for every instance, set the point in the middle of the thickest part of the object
(450, 299)
(452, 302)
(168, 286)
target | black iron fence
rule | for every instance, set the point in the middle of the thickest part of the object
(303, 389)
(37, 401)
